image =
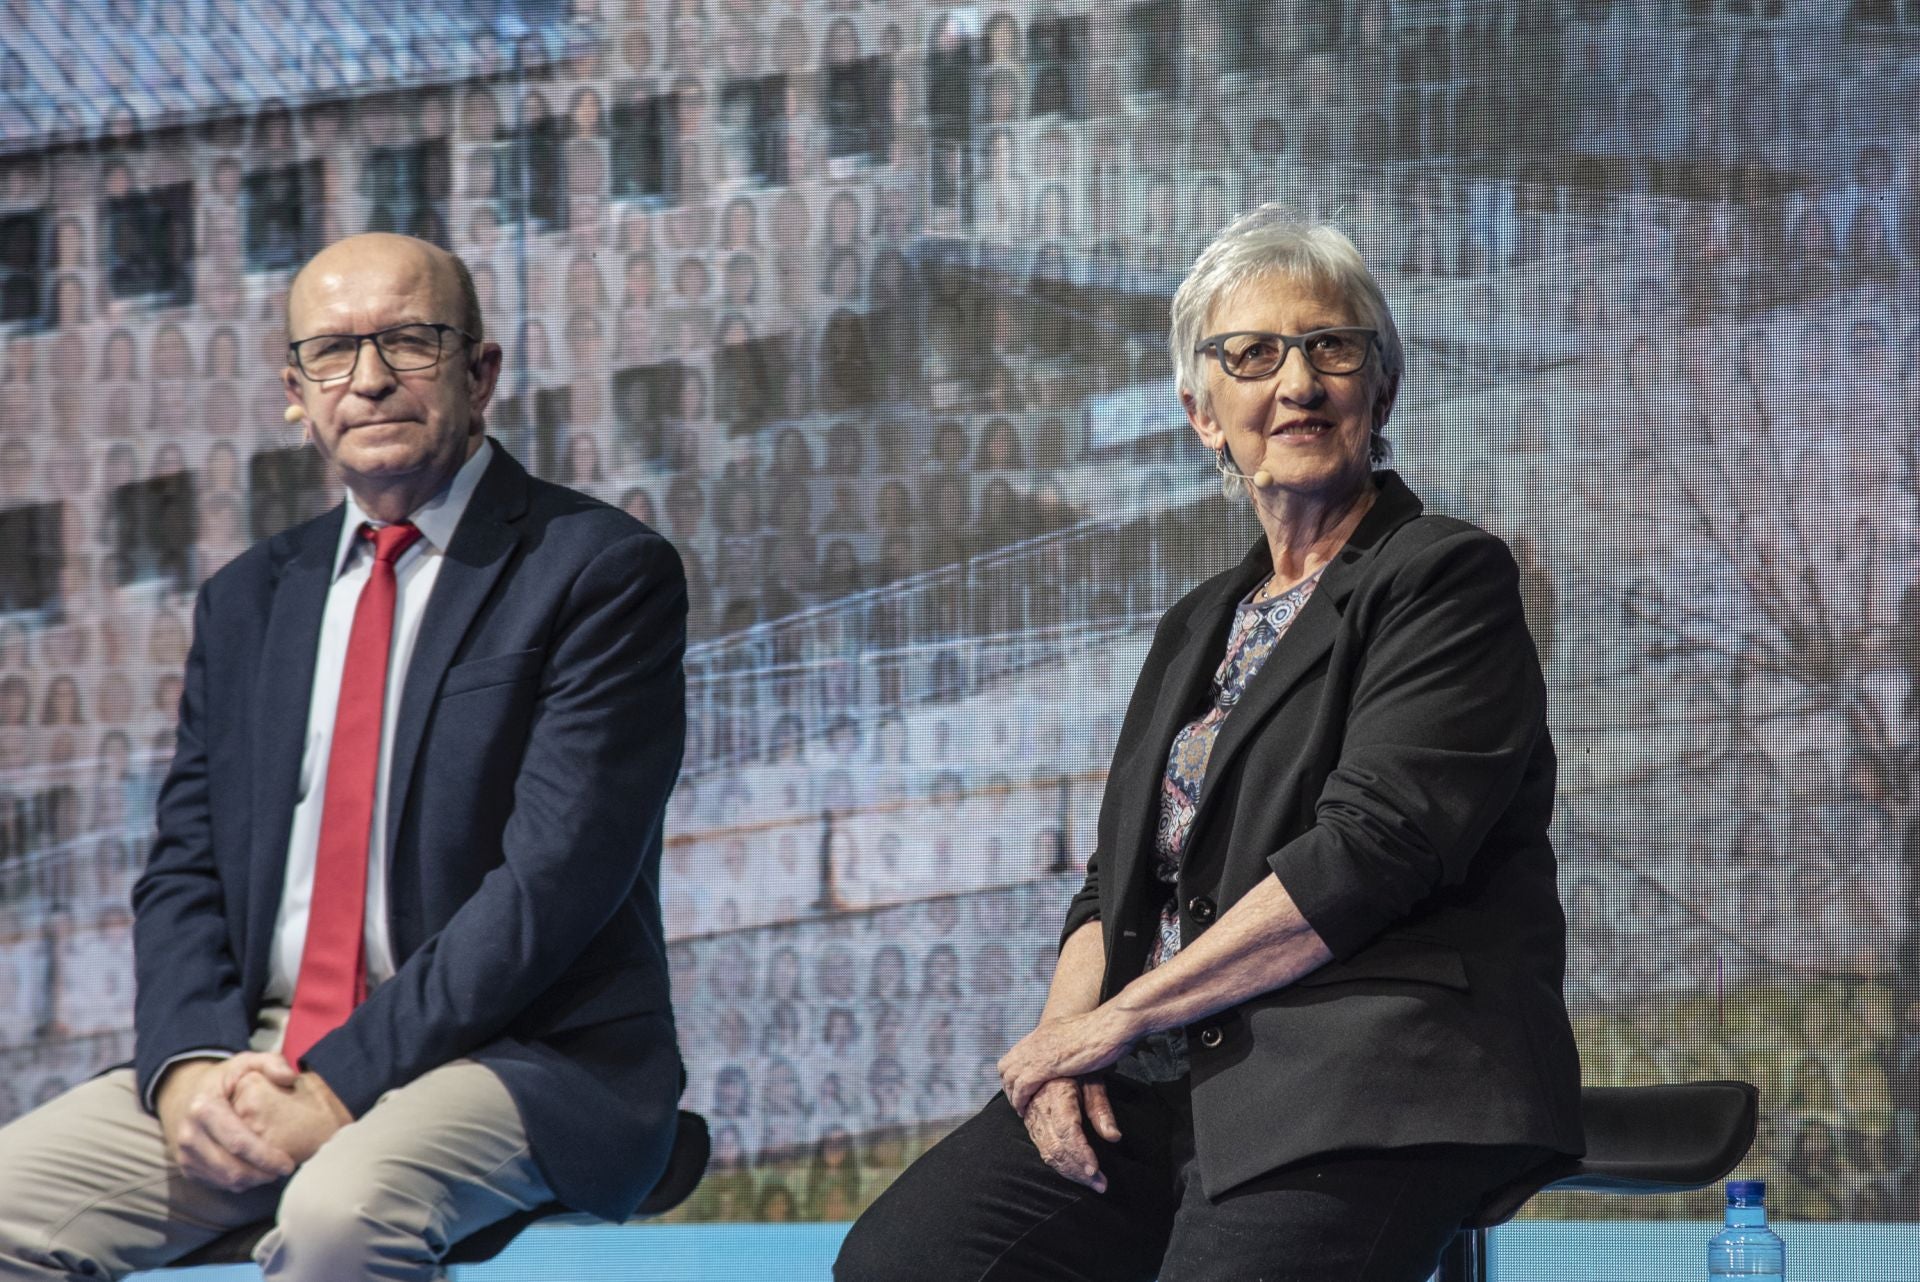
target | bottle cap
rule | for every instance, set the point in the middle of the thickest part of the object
(1746, 1192)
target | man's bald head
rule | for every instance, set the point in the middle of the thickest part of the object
(397, 436)
(442, 272)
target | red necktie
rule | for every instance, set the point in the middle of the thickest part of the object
(333, 966)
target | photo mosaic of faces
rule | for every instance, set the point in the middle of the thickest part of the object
(864, 306)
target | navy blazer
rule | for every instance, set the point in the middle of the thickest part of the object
(539, 734)
(1390, 763)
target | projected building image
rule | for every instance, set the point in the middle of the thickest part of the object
(864, 305)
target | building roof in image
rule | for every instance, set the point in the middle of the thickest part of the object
(73, 70)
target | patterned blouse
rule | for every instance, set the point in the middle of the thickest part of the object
(1257, 629)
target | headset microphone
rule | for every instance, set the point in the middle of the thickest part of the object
(293, 413)
(1260, 480)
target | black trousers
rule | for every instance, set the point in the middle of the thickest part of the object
(980, 1206)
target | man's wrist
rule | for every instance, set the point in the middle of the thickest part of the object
(324, 1093)
(208, 1055)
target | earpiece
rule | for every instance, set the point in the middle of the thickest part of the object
(293, 413)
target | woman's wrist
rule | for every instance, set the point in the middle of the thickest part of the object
(1128, 1015)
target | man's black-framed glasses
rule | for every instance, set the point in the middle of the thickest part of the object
(328, 358)
(1250, 354)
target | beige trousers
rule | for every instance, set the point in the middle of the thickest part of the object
(87, 1190)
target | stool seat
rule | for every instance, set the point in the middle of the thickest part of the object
(686, 1164)
(1642, 1139)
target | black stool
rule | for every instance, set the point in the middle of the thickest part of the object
(1640, 1139)
(685, 1165)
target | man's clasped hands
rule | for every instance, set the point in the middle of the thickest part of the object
(243, 1122)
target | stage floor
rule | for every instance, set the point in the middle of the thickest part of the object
(1535, 1251)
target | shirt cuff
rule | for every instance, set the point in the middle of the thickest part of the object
(153, 1084)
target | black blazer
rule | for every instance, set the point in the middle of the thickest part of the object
(1390, 762)
(538, 736)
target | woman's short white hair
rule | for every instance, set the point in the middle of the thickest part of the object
(1272, 240)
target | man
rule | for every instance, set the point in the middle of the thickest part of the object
(400, 963)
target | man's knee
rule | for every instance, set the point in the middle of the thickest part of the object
(22, 1251)
(325, 1230)
(36, 1249)
(19, 1263)
(45, 1194)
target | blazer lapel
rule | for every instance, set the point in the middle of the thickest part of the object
(482, 545)
(1312, 634)
(1182, 686)
(1305, 644)
(283, 694)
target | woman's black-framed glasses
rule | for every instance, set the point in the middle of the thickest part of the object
(328, 358)
(1249, 354)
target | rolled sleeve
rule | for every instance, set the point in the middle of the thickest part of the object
(1447, 710)
(1085, 904)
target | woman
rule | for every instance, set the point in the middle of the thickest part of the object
(727, 1191)
(833, 1177)
(1307, 1008)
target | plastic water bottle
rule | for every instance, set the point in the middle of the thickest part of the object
(1747, 1248)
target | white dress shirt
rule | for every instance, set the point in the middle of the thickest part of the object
(415, 574)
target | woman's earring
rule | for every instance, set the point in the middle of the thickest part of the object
(1232, 484)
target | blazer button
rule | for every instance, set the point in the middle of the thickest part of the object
(1200, 908)
(1211, 1036)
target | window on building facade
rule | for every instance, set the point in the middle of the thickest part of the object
(155, 523)
(753, 131)
(30, 571)
(950, 86)
(1057, 67)
(949, 74)
(21, 259)
(853, 106)
(1761, 8)
(750, 379)
(1254, 30)
(539, 441)
(284, 488)
(507, 421)
(1871, 12)
(539, 156)
(642, 148)
(146, 244)
(1153, 31)
(282, 215)
(552, 420)
(405, 188)
(645, 398)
